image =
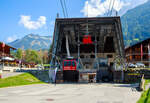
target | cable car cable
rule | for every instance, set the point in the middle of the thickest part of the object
(63, 8)
(109, 8)
(112, 7)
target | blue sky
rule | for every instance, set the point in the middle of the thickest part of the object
(21, 17)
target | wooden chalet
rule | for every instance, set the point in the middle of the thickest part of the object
(139, 52)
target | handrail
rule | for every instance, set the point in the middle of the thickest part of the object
(81, 62)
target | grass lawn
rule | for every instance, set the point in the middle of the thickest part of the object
(147, 81)
(145, 97)
(22, 79)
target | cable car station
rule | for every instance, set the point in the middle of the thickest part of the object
(85, 49)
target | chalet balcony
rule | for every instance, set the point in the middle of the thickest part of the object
(139, 60)
(135, 53)
(5, 55)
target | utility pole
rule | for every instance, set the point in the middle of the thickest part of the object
(57, 16)
(41, 56)
(3, 46)
(22, 48)
(141, 52)
(116, 13)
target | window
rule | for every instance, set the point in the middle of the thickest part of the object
(109, 45)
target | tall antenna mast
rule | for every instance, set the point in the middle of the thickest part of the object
(87, 31)
(87, 38)
(87, 8)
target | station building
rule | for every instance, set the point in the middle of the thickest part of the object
(93, 42)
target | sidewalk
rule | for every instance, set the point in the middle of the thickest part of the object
(9, 74)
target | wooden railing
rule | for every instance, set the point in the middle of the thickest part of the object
(4, 54)
(135, 53)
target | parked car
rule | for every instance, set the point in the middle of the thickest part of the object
(131, 65)
(40, 67)
(140, 65)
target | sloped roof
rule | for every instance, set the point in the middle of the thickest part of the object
(8, 46)
(148, 39)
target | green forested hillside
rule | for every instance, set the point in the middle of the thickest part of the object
(136, 24)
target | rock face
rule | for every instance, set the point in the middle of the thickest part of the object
(32, 41)
(136, 24)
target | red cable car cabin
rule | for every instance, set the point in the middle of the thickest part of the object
(69, 65)
(87, 39)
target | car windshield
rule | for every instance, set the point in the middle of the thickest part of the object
(67, 63)
(139, 63)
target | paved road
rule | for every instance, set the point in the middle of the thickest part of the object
(70, 93)
(9, 74)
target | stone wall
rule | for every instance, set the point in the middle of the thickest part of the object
(136, 75)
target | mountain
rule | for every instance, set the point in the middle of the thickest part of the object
(136, 24)
(32, 41)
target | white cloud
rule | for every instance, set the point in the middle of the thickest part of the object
(132, 4)
(94, 8)
(29, 24)
(11, 38)
(100, 7)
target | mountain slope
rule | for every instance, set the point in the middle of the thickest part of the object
(32, 41)
(136, 24)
